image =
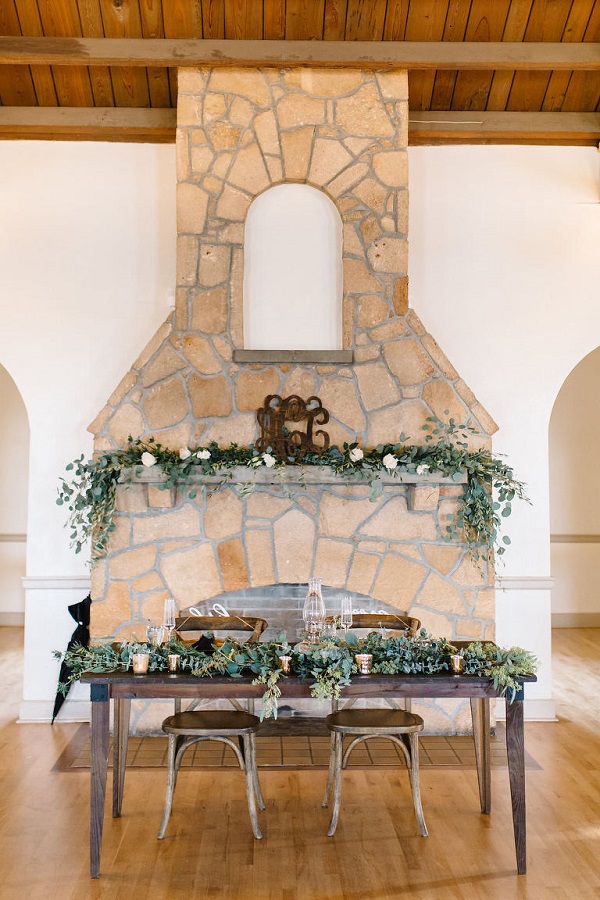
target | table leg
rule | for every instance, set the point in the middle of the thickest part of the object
(515, 745)
(480, 714)
(98, 769)
(120, 741)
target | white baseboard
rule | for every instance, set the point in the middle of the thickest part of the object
(533, 711)
(41, 711)
(576, 620)
(13, 619)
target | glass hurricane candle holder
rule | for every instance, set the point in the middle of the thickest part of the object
(363, 661)
(457, 664)
(173, 661)
(140, 663)
(314, 610)
(286, 664)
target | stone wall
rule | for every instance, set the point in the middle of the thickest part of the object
(240, 132)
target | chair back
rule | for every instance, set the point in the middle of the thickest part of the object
(190, 628)
(406, 624)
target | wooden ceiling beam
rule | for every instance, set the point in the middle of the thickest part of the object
(64, 123)
(158, 126)
(503, 128)
(151, 52)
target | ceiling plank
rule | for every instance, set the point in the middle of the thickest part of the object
(29, 20)
(454, 30)
(91, 26)
(213, 19)
(73, 88)
(17, 85)
(274, 20)
(365, 20)
(503, 127)
(130, 84)
(425, 23)
(527, 57)
(304, 20)
(514, 30)
(574, 31)
(110, 123)
(486, 23)
(334, 23)
(153, 27)
(244, 19)
(547, 22)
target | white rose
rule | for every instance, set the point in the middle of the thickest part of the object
(203, 454)
(269, 460)
(356, 454)
(422, 469)
(147, 459)
(390, 461)
(185, 453)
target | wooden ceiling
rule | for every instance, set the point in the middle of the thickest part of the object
(525, 71)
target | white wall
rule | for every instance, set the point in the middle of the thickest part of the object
(293, 261)
(14, 465)
(575, 496)
(504, 271)
(87, 248)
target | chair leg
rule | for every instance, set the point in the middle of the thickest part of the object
(337, 785)
(413, 771)
(257, 790)
(331, 772)
(250, 787)
(171, 779)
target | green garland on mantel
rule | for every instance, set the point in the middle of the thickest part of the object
(330, 663)
(489, 491)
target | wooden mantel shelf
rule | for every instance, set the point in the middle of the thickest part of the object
(290, 475)
(423, 490)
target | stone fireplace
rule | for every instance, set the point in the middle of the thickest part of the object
(343, 131)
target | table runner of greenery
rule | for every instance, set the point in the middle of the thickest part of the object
(330, 662)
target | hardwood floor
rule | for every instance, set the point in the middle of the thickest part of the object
(376, 853)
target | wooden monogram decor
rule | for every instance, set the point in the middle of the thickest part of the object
(290, 443)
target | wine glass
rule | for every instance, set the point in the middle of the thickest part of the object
(169, 617)
(346, 613)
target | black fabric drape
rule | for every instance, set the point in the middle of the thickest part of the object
(80, 637)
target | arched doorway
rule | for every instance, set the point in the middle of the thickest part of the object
(14, 469)
(574, 437)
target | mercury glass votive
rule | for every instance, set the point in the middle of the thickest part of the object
(173, 660)
(457, 663)
(140, 662)
(286, 664)
(363, 661)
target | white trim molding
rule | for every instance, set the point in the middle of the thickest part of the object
(31, 711)
(524, 583)
(56, 583)
(13, 538)
(12, 619)
(533, 710)
(576, 620)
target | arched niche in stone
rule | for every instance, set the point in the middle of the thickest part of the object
(293, 280)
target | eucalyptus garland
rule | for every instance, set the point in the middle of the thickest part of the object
(329, 664)
(491, 485)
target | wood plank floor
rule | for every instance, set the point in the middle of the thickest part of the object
(376, 853)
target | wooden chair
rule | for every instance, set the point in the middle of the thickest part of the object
(190, 726)
(373, 621)
(396, 725)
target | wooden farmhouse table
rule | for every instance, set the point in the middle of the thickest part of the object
(123, 687)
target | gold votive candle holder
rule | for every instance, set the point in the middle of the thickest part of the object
(173, 660)
(363, 661)
(140, 662)
(457, 663)
(286, 664)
